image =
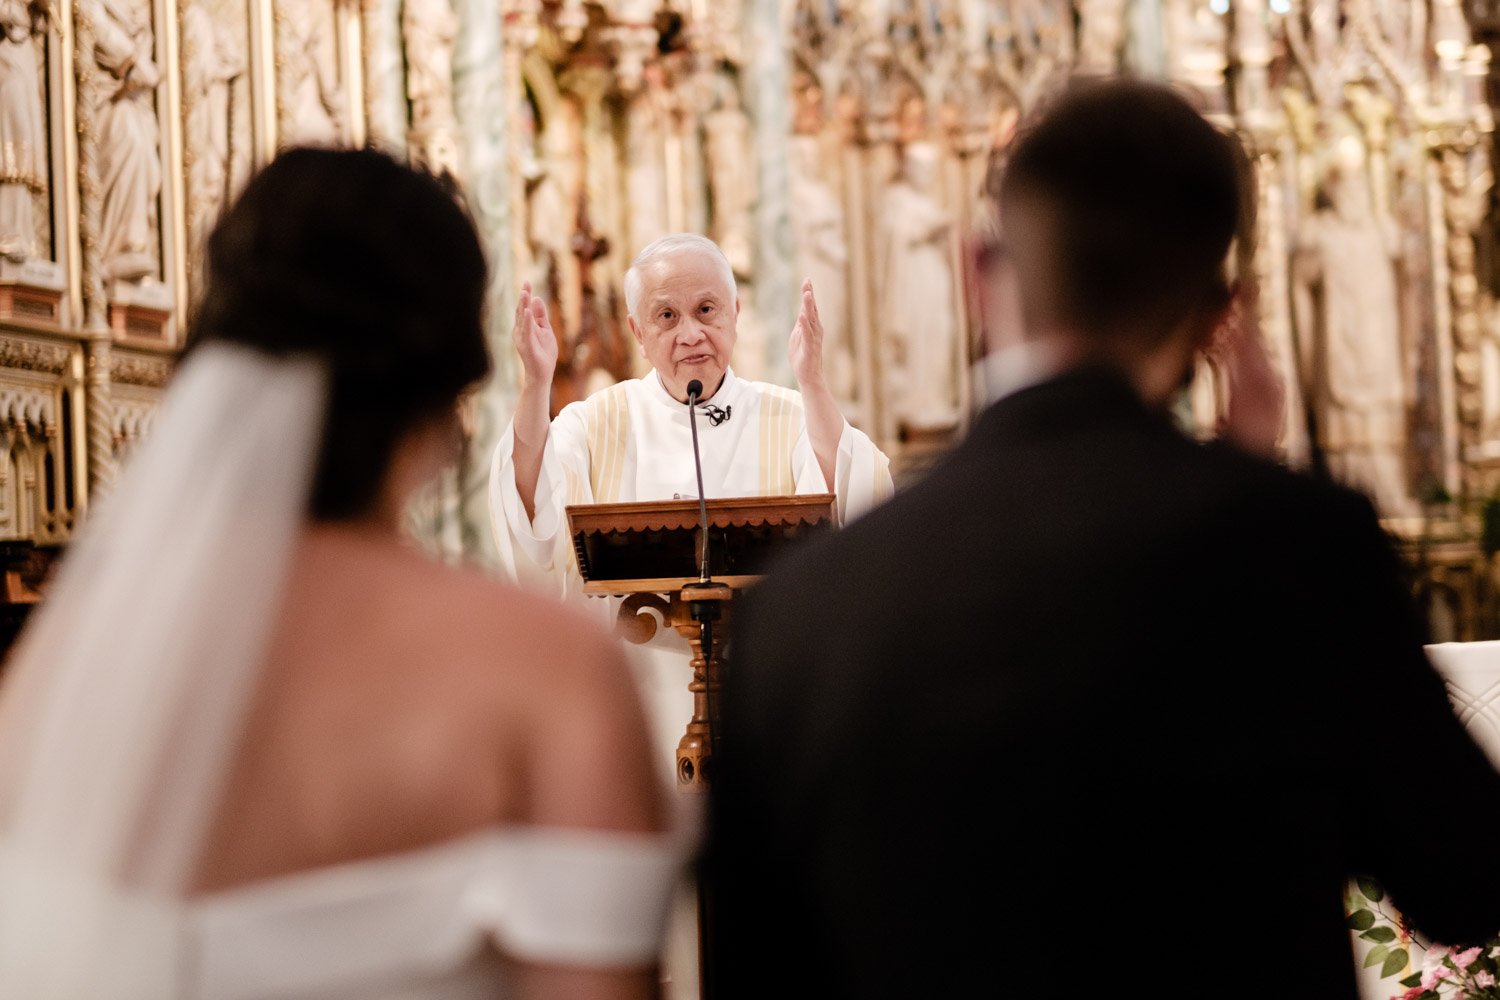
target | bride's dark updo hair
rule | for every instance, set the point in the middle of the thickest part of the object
(354, 258)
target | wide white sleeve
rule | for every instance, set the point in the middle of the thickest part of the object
(862, 473)
(536, 551)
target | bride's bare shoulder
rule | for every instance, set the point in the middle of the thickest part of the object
(493, 609)
(462, 611)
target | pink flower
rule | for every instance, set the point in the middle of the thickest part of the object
(1464, 959)
(1410, 994)
(1484, 980)
(1434, 975)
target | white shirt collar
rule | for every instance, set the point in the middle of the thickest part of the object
(725, 394)
(1010, 369)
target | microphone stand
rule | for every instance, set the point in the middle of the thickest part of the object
(704, 612)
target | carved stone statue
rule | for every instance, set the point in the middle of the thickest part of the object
(313, 111)
(130, 173)
(823, 255)
(731, 179)
(917, 316)
(430, 28)
(648, 121)
(552, 203)
(23, 133)
(213, 61)
(1101, 35)
(1197, 40)
(1347, 255)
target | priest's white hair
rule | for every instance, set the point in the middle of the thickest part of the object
(668, 246)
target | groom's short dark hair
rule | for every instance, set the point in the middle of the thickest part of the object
(1136, 199)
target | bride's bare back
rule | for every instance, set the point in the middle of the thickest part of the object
(404, 703)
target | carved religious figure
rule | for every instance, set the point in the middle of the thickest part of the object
(23, 131)
(917, 315)
(430, 28)
(130, 172)
(823, 255)
(648, 122)
(1346, 255)
(1197, 49)
(213, 61)
(313, 110)
(731, 178)
(1101, 35)
(554, 194)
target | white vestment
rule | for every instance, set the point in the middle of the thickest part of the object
(632, 442)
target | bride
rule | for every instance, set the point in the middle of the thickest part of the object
(254, 745)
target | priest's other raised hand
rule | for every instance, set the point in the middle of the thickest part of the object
(804, 349)
(536, 343)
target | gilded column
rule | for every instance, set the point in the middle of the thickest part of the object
(385, 85)
(100, 411)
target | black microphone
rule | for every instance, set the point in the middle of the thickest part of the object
(695, 390)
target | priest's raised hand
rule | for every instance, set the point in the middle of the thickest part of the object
(536, 343)
(804, 349)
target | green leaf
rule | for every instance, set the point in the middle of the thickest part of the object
(1361, 920)
(1394, 963)
(1376, 956)
(1380, 935)
(1415, 979)
(1371, 889)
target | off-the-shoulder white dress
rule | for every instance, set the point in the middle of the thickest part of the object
(439, 922)
(432, 923)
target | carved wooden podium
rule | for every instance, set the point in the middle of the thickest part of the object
(648, 554)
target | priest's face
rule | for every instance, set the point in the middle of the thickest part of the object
(685, 321)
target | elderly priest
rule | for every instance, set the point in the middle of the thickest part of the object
(631, 441)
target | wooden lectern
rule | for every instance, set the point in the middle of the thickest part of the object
(648, 553)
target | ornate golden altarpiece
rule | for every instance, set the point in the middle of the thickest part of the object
(845, 140)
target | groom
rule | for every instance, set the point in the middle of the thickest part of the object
(1094, 706)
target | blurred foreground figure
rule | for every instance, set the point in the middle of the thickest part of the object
(1068, 713)
(256, 746)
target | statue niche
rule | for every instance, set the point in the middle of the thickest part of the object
(23, 128)
(31, 281)
(1346, 258)
(917, 311)
(216, 123)
(130, 173)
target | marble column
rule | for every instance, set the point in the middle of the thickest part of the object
(385, 83)
(768, 99)
(479, 99)
(1145, 49)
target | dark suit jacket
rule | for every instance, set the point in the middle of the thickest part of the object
(1093, 705)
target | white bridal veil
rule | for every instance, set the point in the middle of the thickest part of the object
(121, 707)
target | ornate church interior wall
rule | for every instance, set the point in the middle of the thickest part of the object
(848, 141)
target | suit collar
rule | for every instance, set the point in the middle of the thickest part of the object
(1089, 393)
